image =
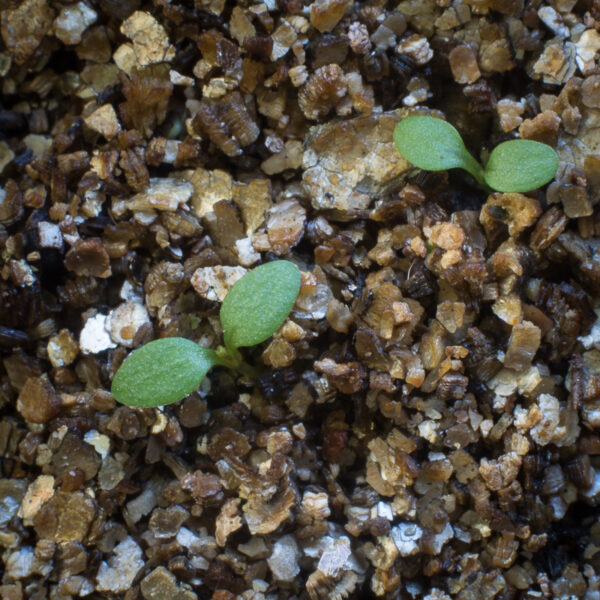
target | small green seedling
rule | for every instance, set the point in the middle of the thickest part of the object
(168, 369)
(514, 166)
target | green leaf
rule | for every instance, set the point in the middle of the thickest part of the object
(259, 303)
(162, 372)
(520, 166)
(434, 145)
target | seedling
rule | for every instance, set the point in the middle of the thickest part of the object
(514, 166)
(168, 369)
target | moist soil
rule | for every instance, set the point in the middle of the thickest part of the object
(425, 424)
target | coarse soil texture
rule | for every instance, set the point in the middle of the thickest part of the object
(427, 421)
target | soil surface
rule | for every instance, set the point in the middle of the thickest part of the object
(427, 422)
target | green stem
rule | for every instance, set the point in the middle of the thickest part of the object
(232, 358)
(472, 166)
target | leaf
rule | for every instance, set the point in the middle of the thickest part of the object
(520, 166)
(259, 303)
(434, 145)
(162, 372)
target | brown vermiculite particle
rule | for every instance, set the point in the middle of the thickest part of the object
(542, 128)
(150, 41)
(104, 120)
(463, 63)
(515, 210)
(89, 258)
(23, 27)
(37, 401)
(590, 91)
(523, 344)
(11, 203)
(227, 123)
(346, 377)
(325, 14)
(323, 90)
(160, 584)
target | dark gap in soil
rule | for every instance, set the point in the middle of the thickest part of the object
(567, 539)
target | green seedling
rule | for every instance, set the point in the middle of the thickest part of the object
(514, 166)
(168, 369)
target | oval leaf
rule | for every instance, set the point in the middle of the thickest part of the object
(162, 372)
(520, 166)
(434, 145)
(259, 303)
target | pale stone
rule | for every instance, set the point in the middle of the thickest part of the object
(283, 562)
(62, 349)
(240, 26)
(553, 21)
(124, 57)
(463, 64)
(104, 121)
(349, 163)
(150, 40)
(283, 39)
(417, 48)
(179, 79)
(38, 144)
(213, 283)
(94, 338)
(509, 112)
(289, 158)
(162, 194)
(72, 21)
(38, 493)
(210, 187)
(556, 64)
(285, 225)
(118, 574)
(406, 537)
(99, 441)
(50, 235)
(124, 322)
(335, 555)
(247, 256)
(586, 51)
